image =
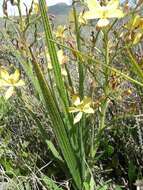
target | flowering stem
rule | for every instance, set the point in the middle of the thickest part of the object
(101, 125)
(103, 114)
(80, 65)
(135, 64)
(20, 16)
(106, 86)
(81, 93)
(106, 101)
(107, 61)
(82, 150)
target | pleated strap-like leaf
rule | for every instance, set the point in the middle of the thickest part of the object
(58, 127)
(53, 52)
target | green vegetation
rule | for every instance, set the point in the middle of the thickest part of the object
(71, 97)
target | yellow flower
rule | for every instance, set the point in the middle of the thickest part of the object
(60, 32)
(135, 27)
(137, 37)
(81, 107)
(104, 12)
(71, 16)
(10, 81)
(81, 19)
(63, 59)
(135, 22)
(36, 8)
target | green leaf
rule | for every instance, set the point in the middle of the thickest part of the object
(118, 187)
(45, 137)
(54, 151)
(86, 186)
(110, 150)
(50, 184)
(132, 171)
(135, 65)
(53, 53)
(92, 183)
(105, 187)
(59, 127)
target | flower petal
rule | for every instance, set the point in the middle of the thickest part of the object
(64, 72)
(15, 76)
(60, 31)
(20, 83)
(110, 10)
(95, 14)
(60, 53)
(88, 110)
(76, 100)
(115, 13)
(4, 83)
(137, 37)
(93, 4)
(102, 23)
(87, 100)
(113, 4)
(50, 67)
(73, 109)
(9, 93)
(4, 74)
(61, 57)
(36, 8)
(78, 117)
